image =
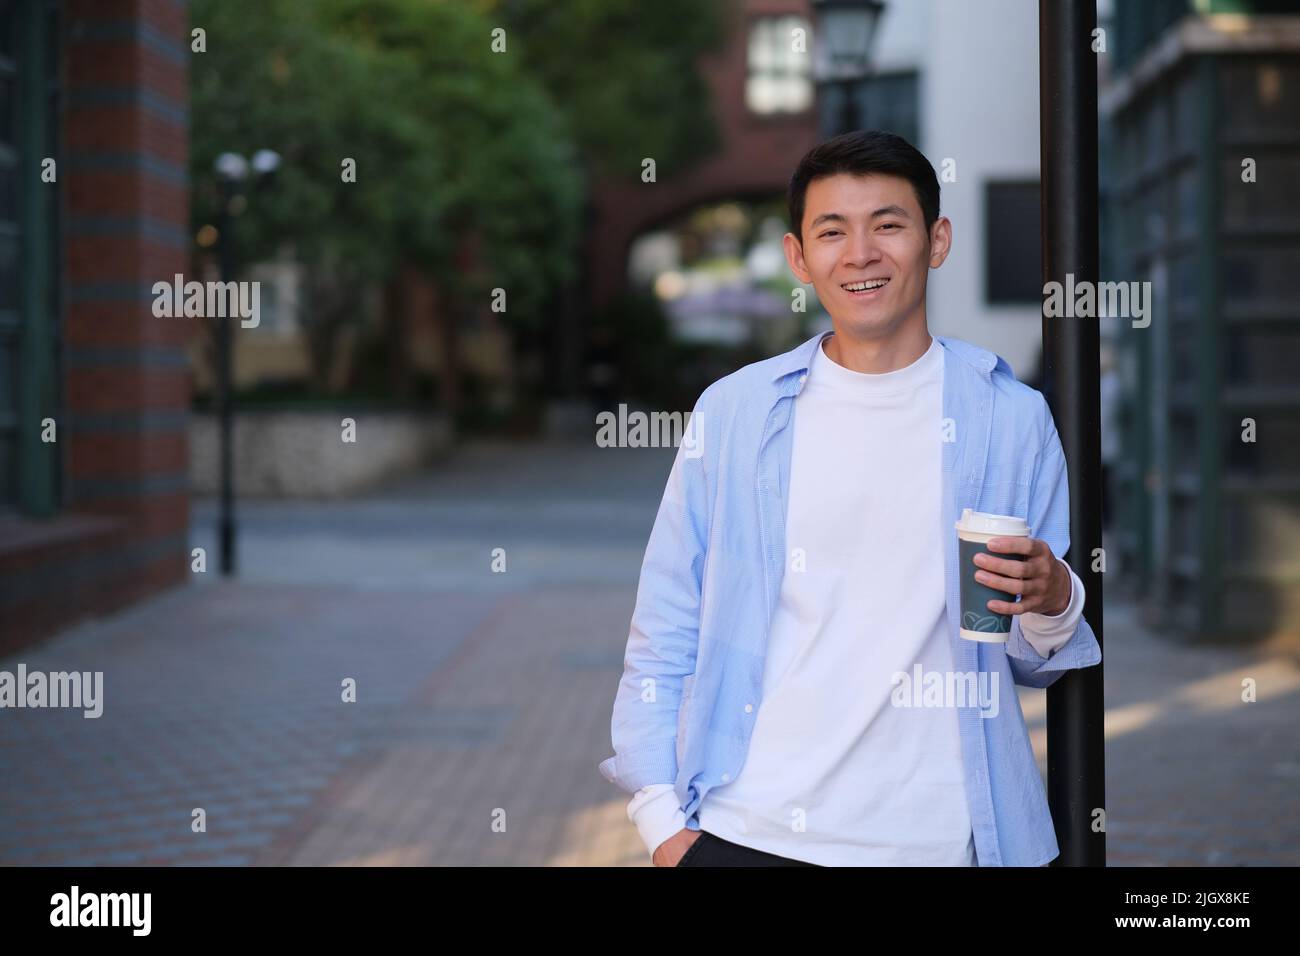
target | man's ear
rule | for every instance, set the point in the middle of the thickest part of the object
(794, 255)
(940, 241)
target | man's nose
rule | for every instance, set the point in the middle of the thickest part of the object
(861, 249)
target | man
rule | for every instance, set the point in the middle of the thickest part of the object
(802, 572)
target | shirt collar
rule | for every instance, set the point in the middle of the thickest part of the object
(799, 358)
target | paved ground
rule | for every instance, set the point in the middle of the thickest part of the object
(483, 699)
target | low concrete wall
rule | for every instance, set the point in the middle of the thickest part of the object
(302, 454)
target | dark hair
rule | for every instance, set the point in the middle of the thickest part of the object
(860, 152)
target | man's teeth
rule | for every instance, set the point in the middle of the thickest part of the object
(865, 286)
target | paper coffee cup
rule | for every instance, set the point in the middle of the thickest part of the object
(974, 530)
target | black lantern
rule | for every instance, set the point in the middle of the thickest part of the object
(845, 32)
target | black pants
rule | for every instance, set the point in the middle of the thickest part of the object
(710, 850)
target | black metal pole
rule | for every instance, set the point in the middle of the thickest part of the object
(848, 115)
(1067, 79)
(226, 516)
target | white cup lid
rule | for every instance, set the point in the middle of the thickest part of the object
(981, 522)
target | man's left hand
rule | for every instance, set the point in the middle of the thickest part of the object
(1041, 580)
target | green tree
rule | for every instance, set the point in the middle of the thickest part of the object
(472, 165)
(464, 169)
(272, 78)
(624, 73)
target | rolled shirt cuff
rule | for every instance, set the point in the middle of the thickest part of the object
(656, 813)
(1047, 633)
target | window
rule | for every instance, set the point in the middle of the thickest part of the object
(886, 101)
(9, 269)
(28, 273)
(779, 77)
(1013, 256)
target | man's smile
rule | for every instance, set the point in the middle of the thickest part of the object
(864, 288)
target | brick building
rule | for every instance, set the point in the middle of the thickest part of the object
(98, 517)
(763, 132)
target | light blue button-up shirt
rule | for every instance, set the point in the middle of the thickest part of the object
(713, 569)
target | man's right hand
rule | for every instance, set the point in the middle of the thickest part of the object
(670, 852)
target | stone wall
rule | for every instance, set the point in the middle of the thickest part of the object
(302, 454)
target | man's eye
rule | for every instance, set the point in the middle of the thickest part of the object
(888, 224)
(829, 232)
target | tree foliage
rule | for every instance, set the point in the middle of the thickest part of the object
(463, 155)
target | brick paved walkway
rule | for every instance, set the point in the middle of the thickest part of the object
(484, 697)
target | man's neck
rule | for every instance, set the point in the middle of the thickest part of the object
(877, 356)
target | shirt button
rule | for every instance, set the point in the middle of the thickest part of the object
(802, 379)
(726, 777)
(749, 708)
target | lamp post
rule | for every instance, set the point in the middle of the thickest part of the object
(232, 172)
(1067, 96)
(846, 30)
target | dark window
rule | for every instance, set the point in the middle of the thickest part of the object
(885, 101)
(28, 261)
(9, 266)
(1013, 263)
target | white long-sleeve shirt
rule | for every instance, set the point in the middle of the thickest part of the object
(834, 774)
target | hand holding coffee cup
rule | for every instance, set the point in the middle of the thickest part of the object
(1007, 563)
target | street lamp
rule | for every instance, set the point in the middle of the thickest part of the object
(232, 172)
(265, 163)
(846, 30)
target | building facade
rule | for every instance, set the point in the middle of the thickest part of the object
(1201, 187)
(94, 390)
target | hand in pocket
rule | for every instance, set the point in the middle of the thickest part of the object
(671, 851)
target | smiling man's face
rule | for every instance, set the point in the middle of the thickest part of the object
(867, 253)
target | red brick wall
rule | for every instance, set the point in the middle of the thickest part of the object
(123, 529)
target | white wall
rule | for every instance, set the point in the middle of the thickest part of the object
(978, 65)
(902, 36)
(979, 105)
